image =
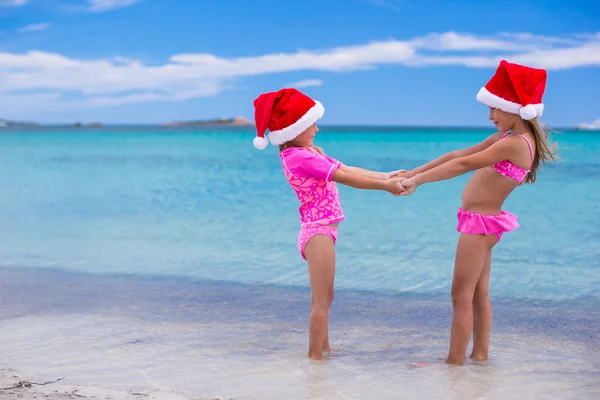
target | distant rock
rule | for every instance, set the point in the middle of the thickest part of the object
(237, 121)
(241, 121)
(90, 125)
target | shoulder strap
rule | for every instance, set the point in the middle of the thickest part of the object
(530, 148)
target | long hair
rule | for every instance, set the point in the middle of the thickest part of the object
(291, 143)
(544, 150)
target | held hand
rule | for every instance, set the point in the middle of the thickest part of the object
(395, 187)
(401, 173)
(410, 185)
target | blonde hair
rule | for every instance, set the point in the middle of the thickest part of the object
(291, 143)
(544, 150)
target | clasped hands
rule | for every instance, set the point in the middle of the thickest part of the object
(401, 183)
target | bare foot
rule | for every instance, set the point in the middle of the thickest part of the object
(478, 357)
(453, 361)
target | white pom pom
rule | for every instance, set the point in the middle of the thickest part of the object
(260, 143)
(528, 112)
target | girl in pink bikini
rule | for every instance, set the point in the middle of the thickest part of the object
(502, 162)
(291, 117)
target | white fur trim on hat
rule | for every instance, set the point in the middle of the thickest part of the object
(531, 111)
(491, 100)
(291, 132)
(260, 143)
(528, 112)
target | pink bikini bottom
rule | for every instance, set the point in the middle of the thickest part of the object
(480, 224)
(307, 233)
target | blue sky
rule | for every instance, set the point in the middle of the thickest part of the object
(383, 62)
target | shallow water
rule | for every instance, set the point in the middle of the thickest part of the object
(204, 204)
(145, 258)
(238, 341)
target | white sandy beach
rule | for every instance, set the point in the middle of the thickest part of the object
(136, 338)
(14, 385)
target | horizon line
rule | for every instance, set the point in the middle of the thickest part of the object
(98, 126)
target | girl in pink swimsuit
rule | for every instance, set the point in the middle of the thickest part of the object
(291, 117)
(502, 162)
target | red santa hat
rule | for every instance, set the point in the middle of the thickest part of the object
(516, 89)
(286, 114)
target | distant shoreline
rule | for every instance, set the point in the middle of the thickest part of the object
(237, 121)
(251, 129)
(226, 125)
(241, 122)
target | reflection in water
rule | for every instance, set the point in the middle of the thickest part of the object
(318, 382)
(471, 382)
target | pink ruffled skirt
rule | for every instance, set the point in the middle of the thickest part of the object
(480, 224)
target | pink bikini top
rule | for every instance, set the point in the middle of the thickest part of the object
(509, 169)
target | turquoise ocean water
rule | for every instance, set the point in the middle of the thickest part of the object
(182, 243)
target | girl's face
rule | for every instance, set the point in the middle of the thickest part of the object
(503, 120)
(307, 137)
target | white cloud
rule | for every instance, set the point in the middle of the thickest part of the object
(592, 126)
(104, 82)
(34, 27)
(107, 5)
(465, 42)
(306, 83)
(13, 3)
(525, 36)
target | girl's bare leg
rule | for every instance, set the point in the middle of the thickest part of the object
(326, 346)
(482, 313)
(471, 254)
(320, 254)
